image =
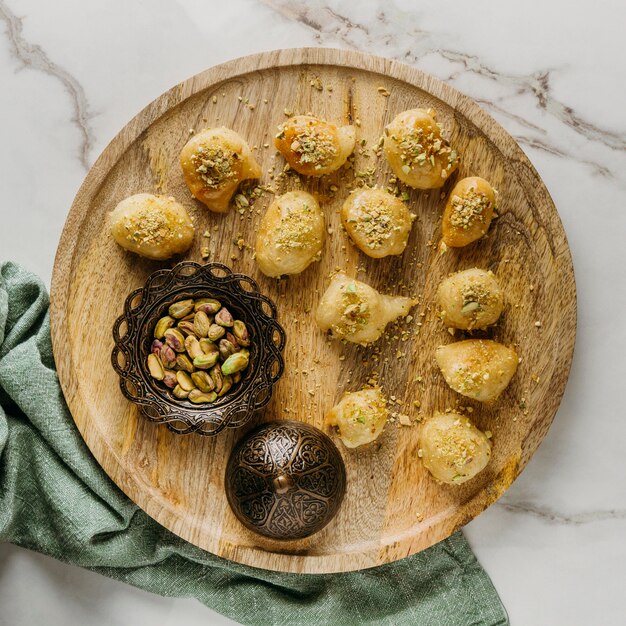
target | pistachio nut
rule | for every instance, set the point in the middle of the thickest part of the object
(186, 327)
(184, 381)
(209, 305)
(156, 346)
(184, 363)
(245, 351)
(240, 330)
(207, 346)
(179, 392)
(236, 377)
(155, 367)
(232, 340)
(217, 376)
(169, 379)
(181, 308)
(203, 381)
(226, 348)
(201, 324)
(198, 397)
(175, 340)
(162, 325)
(224, 318)
(192, 345)
(234, 363)
(227, 383)
(168, 356)
(206, 361)
(216, 332)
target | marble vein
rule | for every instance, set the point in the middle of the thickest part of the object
(555, 517)
(34, 57)
(400, 37)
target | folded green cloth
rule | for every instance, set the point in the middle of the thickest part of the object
(55, 498)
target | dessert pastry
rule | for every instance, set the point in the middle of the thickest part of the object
(314, 147)
(359, 417)
(477, 368)
(452, 448)
(356, 312)
(416, 150)
(291, 234)
(378, 222)
(471, 299)
(156, 227)
(468, 212)
(214, 162)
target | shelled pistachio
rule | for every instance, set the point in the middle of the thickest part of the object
(200, 351)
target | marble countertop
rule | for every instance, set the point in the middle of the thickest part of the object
(74, 72)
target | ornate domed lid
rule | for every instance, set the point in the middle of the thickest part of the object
(285, 480)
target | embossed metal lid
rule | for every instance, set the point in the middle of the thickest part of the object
(285, 480)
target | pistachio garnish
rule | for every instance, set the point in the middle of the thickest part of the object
(184, 363)
(226, 348)
(203, 381)
(198, 397)
(205, 361)
(227, 383)
(201, 324)
(187, 327)
(184, 380)
(234, 363)
(168, 356)
(179, 392)
(162, 325)
(199, 350)
(216, 332)
(169, 379)
(207, 346)
(155, 367)
(224, 318)
(175, 340)
(193, 347)
(240, 331)
(209, 305)
(181, 308)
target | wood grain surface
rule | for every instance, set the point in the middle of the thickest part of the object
(393, 507)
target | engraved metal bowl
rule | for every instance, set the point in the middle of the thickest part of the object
(285, 480)
(132, 334)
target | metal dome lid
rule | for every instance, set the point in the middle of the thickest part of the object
(285, 480)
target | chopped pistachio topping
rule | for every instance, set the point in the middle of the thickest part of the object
(375, 221)
(469, 210)
(296, 227)
(314, 144)
(214, 165)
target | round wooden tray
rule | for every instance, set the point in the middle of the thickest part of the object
(392, 508)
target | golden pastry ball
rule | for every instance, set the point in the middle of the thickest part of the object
(416, 150)
(453, 450)
(468, 212)
(378, 222)
(155, 227)
(471, 299)
(291, 234)
(356, 312)
(314, 147)
(214, 162)
(359, 417)
(477, 368)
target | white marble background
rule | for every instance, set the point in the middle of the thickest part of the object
(72, 73)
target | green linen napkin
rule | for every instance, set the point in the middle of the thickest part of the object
(55, 498)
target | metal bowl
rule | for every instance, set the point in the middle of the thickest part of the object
(132, 334)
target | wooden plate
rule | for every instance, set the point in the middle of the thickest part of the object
(392, 507)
